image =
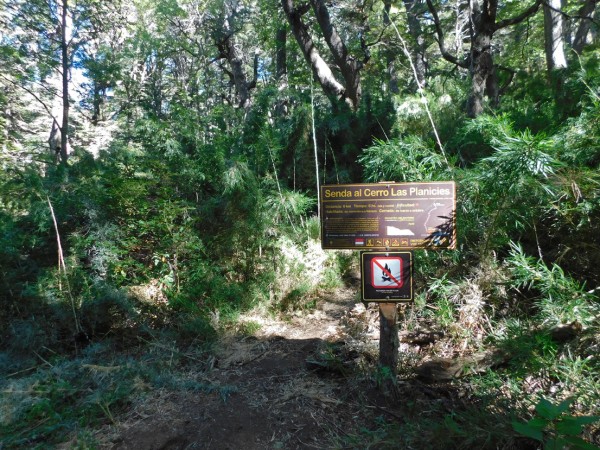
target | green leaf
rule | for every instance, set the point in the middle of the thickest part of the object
(572, 426)
(554, 444)
(538, 423)
(576, 443)
(568, 428)
(585, 420)
(564, 405)
(547, 410)
(527, 430)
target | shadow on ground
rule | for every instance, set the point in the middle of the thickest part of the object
(299, 384)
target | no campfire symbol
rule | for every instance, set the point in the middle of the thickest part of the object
(386, 276)
(386, 273)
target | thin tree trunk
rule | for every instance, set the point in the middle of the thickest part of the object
(281, 70)
(97, 104)
(64, 138)
(280, 53)
(314, 136)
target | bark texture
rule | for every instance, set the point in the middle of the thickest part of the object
(483, 25)
(348, 91)
(64, 48)
(483, 20)
(554, 36)
(418, 40)
(229, 50)
(390, 55)
(586, 14)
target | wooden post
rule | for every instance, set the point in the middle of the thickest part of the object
(388, 346)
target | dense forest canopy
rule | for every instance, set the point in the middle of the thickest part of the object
(160, 162)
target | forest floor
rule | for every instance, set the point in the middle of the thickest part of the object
(294, 384)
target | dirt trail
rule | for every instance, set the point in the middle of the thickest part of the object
(274, 390)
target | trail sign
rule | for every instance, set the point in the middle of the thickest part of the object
(386, 276)
(388, 216)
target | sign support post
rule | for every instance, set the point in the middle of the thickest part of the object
(387, 279)
(388, 346)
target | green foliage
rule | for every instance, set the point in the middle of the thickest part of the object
(474, 139)
(555, 428)
(444, 310)
(505, 194)
(559, 299)
(408, 159)
(195, 210)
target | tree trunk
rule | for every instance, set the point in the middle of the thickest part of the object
(97, 103)
(281, 70)
(319, 67)
(418, 40)
(280, 53)
(586, 14)
(235, 58)
(482, 62)
(65, 84)
(556, 61)
(554, 36)
(233, 54)
(390, 55)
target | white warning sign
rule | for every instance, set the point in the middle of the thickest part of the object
(386, 272)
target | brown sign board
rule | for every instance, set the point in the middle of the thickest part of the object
(386, 276)
(389, 216)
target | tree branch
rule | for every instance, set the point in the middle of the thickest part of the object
(319, 67)
(332, 38)
(365, 44)
(302, 9)
(35, 96)
(583, 14)
(520, 18)
(440, 39)
(252, 84)
(511, 76)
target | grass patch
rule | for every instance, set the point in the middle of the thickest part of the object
(65, 398)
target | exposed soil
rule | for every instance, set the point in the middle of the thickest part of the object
(293, 385)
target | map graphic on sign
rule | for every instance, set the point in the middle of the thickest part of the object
(386, 272)
(394, 231)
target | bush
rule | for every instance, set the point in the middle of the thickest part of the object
(407, 159)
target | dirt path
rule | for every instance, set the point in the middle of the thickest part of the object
(284, 388)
